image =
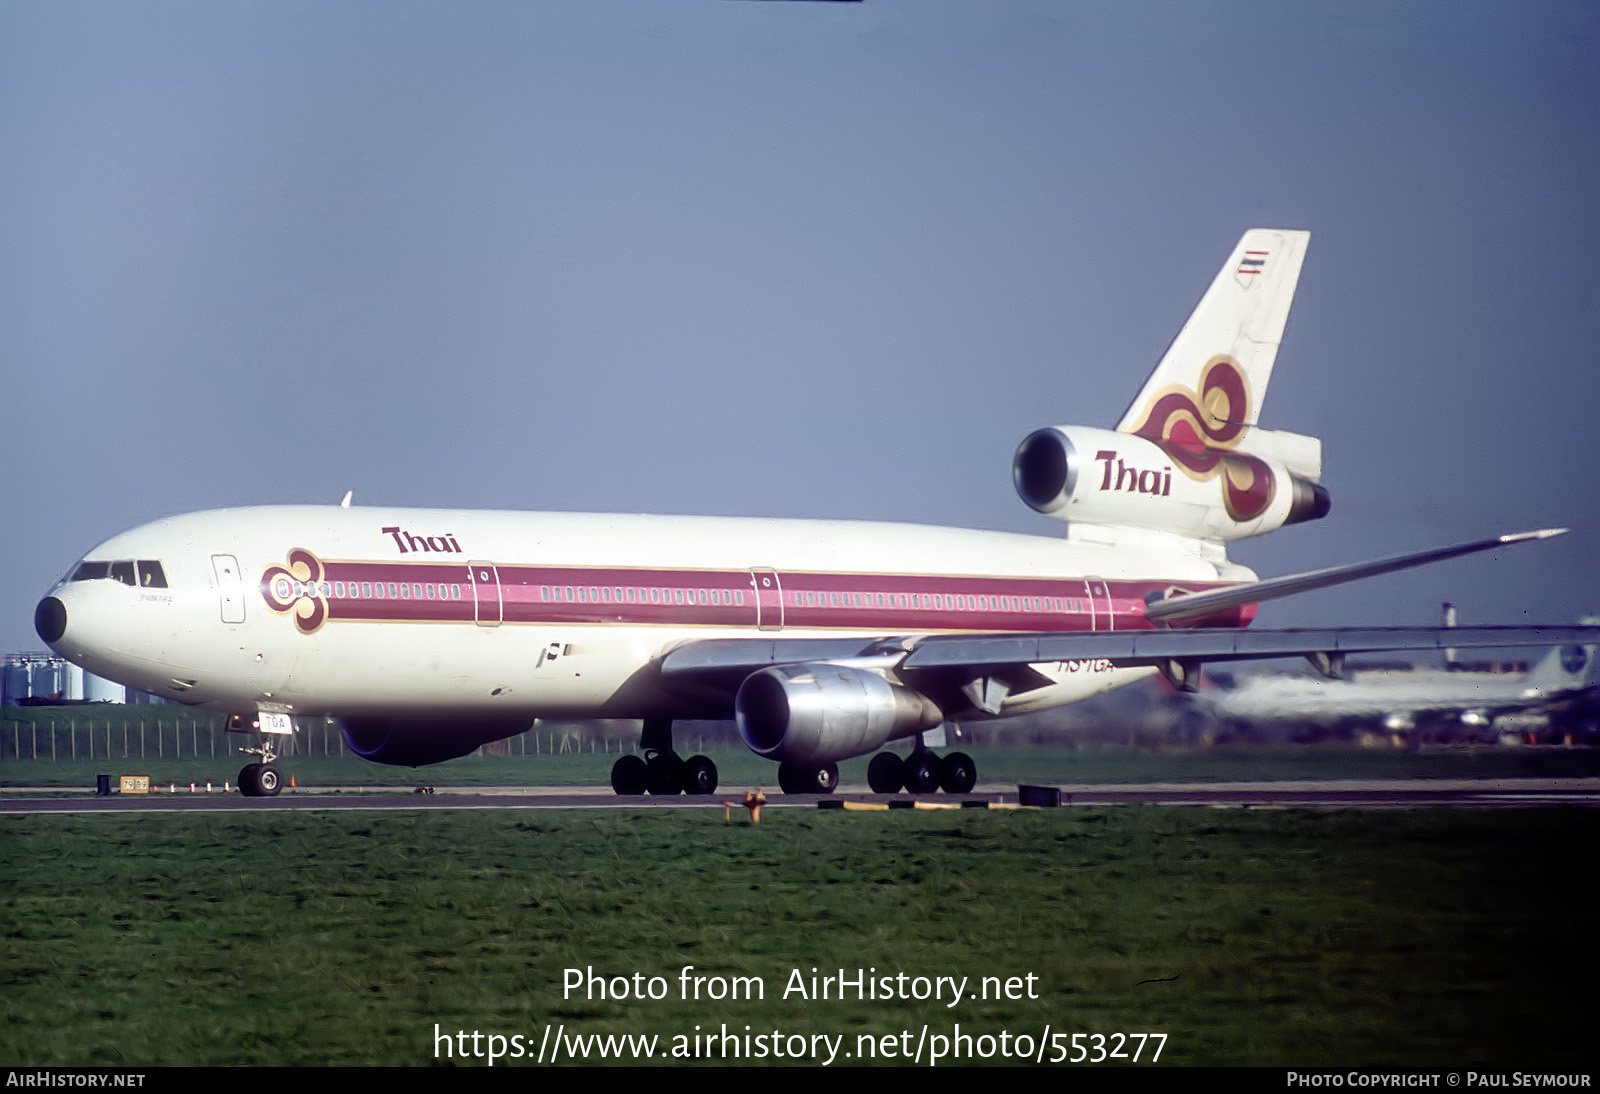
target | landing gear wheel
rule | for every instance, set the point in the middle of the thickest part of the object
(664, 774)
(922, 773)
(805, 779)
(886, 773)
(268, 781)
(250, 780)
(699, 776)
(629, 775)
(957, 773)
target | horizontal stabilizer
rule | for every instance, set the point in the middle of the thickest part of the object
(1195, 605)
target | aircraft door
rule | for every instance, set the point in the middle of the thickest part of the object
(488, 607)
(1101, 617)
(769, 598)
(230, 587)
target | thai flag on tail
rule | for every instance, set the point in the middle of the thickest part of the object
(1252, 262)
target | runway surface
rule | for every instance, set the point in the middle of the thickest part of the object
(1316, 794)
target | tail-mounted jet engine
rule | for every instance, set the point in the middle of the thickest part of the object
(1103, 477)
(814, 714)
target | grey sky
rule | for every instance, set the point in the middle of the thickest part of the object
(791, 260)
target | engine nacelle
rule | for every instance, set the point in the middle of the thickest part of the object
(413, 742)
(817, 713)
(1099, 476)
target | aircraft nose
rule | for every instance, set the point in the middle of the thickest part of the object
(50, 620)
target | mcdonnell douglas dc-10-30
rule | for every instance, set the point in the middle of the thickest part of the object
(429, 632)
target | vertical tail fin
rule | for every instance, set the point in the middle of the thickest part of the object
(1563, 667)
(1208, 387)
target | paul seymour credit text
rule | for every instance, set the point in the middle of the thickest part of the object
(925, 1044)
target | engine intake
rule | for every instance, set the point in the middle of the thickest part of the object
(818, 713)
(1099, 476)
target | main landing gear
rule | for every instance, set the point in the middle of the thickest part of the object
(922, 772)
(661, 770)
(807, 778)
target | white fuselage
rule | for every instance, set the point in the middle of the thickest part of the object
(366, 611)
(1380, 695)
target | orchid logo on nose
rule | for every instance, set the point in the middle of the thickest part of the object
(298, 588)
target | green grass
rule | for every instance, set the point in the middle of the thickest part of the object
(1249, 937)
(68, 746)
(738, 768)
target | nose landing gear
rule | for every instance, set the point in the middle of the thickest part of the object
(261, 780)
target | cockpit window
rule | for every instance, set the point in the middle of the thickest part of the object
(141, 574)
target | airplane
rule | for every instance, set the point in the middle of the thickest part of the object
(429, 632)
(1443, 704)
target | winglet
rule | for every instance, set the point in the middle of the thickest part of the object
(1194, 605)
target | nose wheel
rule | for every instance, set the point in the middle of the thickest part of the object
(260, 781)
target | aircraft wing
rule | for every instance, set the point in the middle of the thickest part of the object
(1153, 647)
(730, 659)
(1196, 605)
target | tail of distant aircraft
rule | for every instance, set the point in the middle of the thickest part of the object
(1564, 667)
(1188, 461)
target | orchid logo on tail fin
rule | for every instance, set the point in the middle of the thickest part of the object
(1199, 431)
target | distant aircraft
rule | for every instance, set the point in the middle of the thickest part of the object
(429, 632)
(1424, 703)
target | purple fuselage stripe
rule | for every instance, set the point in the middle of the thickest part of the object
(399, 592)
